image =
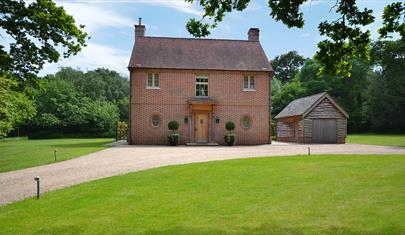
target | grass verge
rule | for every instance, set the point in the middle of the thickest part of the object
(22, 153)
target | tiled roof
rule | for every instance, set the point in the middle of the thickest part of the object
(188, 53)
(299, 106)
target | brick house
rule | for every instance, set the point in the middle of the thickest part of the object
(201, 84)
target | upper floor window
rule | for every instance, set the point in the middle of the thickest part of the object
(153, 80)
(249, 83)
(201, 86)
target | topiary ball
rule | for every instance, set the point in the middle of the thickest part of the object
(173, 125)
(230, 126)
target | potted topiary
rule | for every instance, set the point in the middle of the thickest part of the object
(173, 136)
(230, 137)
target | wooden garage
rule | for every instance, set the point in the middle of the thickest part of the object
(312, 119)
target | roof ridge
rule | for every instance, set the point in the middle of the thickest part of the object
(201, 39)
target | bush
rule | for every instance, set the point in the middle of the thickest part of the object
(173, 139)
(173, 125)
(230, 126)
(122, 128)
(230, 139)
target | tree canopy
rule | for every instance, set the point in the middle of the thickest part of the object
(286, 66)
(346, 37)
(73, 102)
(38, 30)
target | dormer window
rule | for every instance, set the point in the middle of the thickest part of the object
(249, 83)
(153, 80)
(201, 87)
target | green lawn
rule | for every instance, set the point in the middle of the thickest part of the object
(18, 154)
(279, 195)
(377, 139)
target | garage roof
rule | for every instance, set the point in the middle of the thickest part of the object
(302, 106)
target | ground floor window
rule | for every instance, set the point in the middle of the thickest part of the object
(155, 121)
(246, 122)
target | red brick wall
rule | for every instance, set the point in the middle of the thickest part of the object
(177, 86)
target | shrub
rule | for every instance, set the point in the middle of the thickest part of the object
(122, 128)
(230, 126)
(173, 125)
(173, 139)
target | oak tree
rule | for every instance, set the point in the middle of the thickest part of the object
(346, 37)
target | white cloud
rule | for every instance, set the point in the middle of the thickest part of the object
(94, 16)
(310, 3)
(179, 5)
(91, 57)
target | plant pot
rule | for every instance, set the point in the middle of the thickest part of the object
(174, 139)
(230, 139)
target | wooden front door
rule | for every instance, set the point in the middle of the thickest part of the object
(201, 127)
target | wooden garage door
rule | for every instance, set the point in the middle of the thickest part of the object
(324, 131)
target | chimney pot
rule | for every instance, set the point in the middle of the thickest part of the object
(253, 34)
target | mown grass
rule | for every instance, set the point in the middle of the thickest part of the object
(22, 153)
(347, 194)
(377, 139)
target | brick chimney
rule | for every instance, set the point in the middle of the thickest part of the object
(253, 34)
(139, 29)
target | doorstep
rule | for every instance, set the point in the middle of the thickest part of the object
(202, 144)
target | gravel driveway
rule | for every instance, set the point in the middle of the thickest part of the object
(17, 185)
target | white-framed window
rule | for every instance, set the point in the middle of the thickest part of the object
(153, 80)
(249, 83)
(201, 87)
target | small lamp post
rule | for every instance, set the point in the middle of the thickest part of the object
(54, 153)
(37, 180)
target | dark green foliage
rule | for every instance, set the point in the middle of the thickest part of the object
(173, 139)
(38, 28)
(73, 102)
(100, 84)
(230, 139)
(173, 125)
(286, 66)
(288, 93)
(386, 103)
(392, 22)
(346, 37)
(230, 126)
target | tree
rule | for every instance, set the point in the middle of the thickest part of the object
(286, 66)
(37, 29)
(100, 84)
(386, 104)
(15, 106)
(64, 109)
(346, 37)
(349, 93)
(289, 92)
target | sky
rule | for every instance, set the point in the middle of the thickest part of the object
(110, 25)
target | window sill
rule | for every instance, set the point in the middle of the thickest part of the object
(153, 88)
(248, 89)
